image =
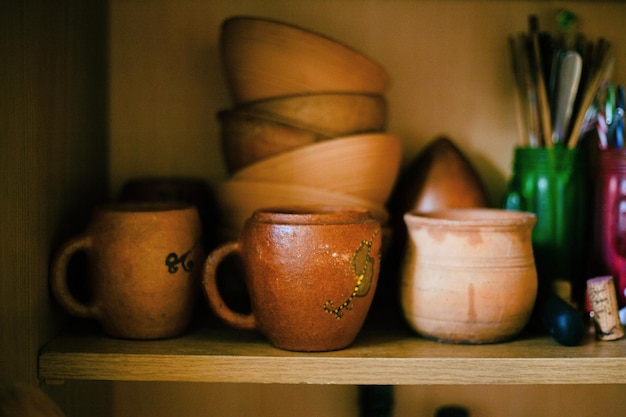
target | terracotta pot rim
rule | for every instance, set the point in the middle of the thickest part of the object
(471, 217)
(312, 215)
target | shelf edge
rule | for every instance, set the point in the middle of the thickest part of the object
(332, 370)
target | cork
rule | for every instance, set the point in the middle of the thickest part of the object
(603, 299)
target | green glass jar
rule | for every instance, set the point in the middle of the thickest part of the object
(553, 184)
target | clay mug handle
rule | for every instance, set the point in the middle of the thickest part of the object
(216, 302)
(58, 278)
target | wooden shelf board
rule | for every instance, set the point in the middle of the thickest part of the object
(395, 357)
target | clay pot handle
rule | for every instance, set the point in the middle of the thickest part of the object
(58, 278)
(216, 302)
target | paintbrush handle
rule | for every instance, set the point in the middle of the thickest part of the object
(542, 95)
(600, 75)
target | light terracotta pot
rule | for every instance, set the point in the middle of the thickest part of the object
(469, 274)
(311, 273)
(144, 267)
(364, 166)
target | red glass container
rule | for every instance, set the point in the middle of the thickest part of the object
(609, 213)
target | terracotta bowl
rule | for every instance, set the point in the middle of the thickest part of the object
(237, 200)
(469, 274)
(364, 166)
(248, 137)
(265, 58)
(333, 114)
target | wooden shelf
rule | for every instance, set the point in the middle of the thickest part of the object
(398, 357)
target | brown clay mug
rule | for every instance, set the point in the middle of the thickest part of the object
(144, 267)
(311, 273)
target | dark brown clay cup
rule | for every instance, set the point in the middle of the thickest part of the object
(311, 273)
(187, 189)
(144, 269)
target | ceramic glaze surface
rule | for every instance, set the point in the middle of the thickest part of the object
(311, 275)
(469, 274)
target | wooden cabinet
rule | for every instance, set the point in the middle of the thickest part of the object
(96, 92)
(53, 158)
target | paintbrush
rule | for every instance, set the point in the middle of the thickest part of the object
(599, 74)
(542, 95)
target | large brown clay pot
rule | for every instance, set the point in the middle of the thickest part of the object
(469, 274)
(311, 273)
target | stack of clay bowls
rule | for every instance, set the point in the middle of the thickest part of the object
(307, 125)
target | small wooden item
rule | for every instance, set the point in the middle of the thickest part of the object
(603, 299)
(21, 400)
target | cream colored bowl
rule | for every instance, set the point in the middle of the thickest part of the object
(362, 166)
(265, 58)
(237, 200)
